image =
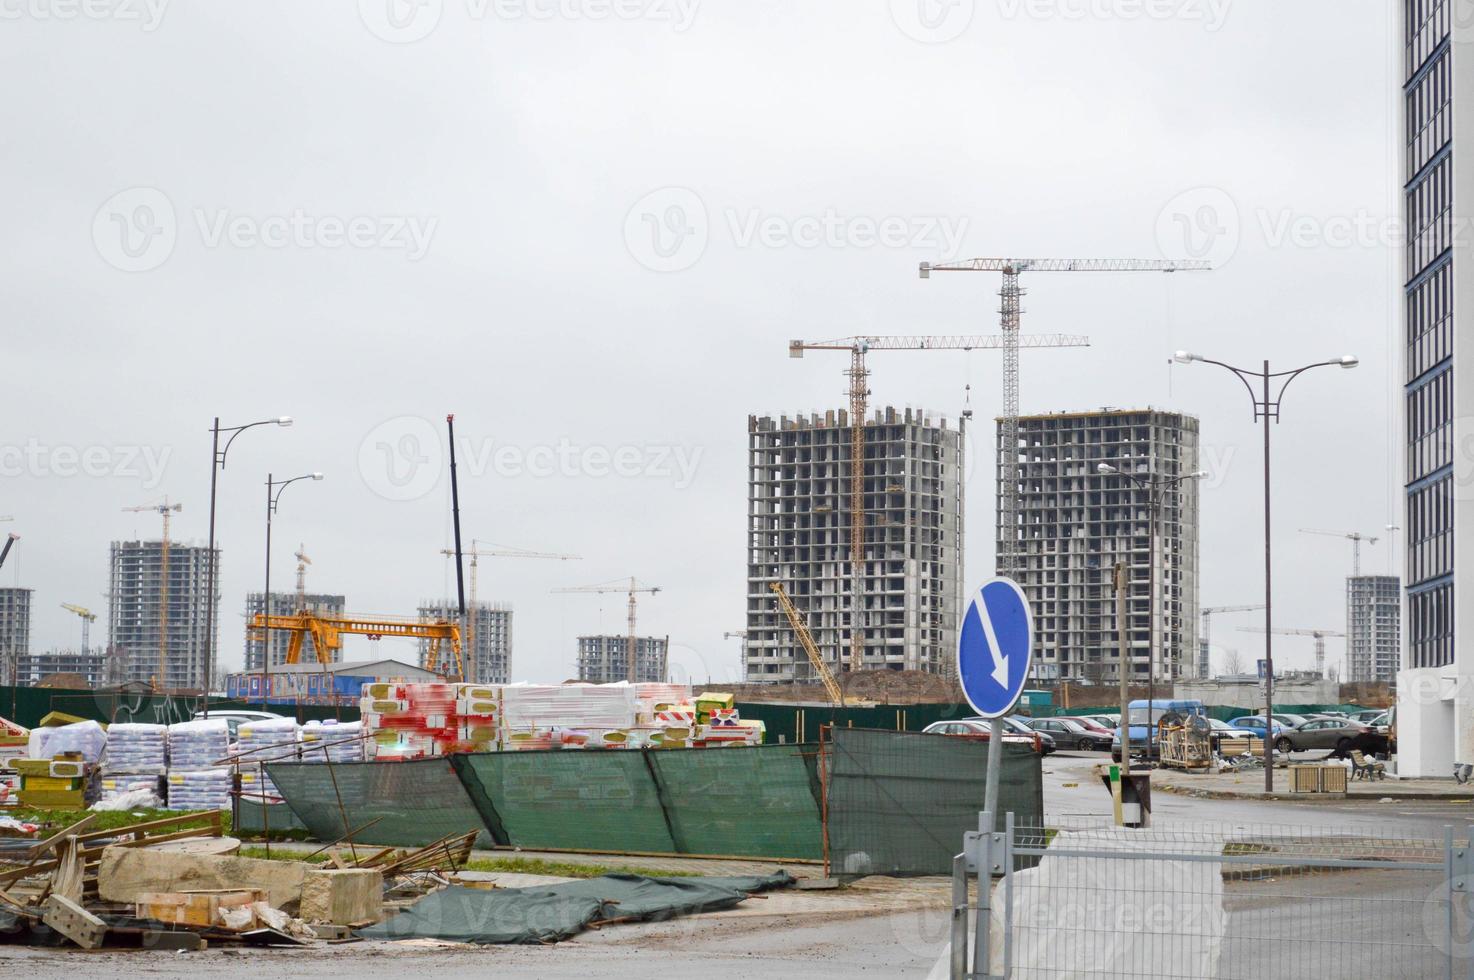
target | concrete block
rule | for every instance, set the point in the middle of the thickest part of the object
(342, 896)
(128, 872)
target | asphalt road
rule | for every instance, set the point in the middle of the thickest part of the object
(1400, 818)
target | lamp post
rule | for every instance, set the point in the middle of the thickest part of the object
(274, 490)
(1156, 486)
(217, 463)
(1267, 408)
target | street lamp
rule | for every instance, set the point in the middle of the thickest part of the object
(1156, 486)
(217, 463)
(1265, 409)
(274, 490)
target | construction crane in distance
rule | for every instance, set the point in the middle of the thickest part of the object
(302, 562)
(859, 375)
(495, 551)
(9, 543)
(164, 510)
(1205, 629)
(87, 616)
(1355, 537)
(806, 640)
(1010, 315)
(1320, 641)
(633, 588)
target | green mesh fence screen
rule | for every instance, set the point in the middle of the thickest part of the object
(750, 802)
(256, 818)
(899, 803)
(594, 801)
(414, 803)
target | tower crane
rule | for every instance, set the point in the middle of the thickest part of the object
(1205, 628)
(632, 589)
(806, 640)
(495, 551)
(859, 374)
(302, 562)
(1355, 537)
(1010, 312)
(164, 510)
(1320, 641)
(87, 616)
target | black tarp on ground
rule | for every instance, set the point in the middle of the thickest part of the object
(553, 912)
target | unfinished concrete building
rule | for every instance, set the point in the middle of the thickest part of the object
(487, 643)
(1373, 628)
(138, 616)
(799, 534)
(605, 659)
(88, 665)
(288, 604)
(15, 630)
(1075, 523)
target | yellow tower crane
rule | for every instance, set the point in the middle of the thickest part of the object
(632, 589)
(87, 616)
(495, 551)
(859, 391)
(161, 678)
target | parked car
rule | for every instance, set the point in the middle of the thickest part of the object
(1071, 734)
(1107, 721)
(1290, 721)
(1342, 735)
(1020, 726)
(235, 718)
(1368, 716)
(1222, 730)
(983, 728)
(1093, 725)
(1255, 724)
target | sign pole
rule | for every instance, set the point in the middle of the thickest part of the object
(995, 767)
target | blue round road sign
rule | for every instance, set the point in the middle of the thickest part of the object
(994, 647)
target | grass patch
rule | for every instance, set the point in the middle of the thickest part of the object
(53, 820)
(506, 865)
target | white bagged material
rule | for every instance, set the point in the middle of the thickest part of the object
(136, 749)
(195, 745)
(269, 740)
(203, 789)
(580, 706)
(332, 741)
(86, 737)
(141, 798)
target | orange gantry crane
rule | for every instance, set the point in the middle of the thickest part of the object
(327, 634)
(162, 677)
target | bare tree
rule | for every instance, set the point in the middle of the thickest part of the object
(1233, 662)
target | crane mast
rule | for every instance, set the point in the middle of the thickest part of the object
(1010, 315)
(859, 393)
(806, 640)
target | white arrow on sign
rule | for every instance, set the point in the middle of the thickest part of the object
(1000, 661)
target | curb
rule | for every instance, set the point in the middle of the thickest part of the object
(1228, 794)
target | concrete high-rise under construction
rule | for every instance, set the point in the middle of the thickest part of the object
(1373, 628)
(487, 643)
(798, 533)
(288, 604)
(1076, 523)
(136, 614)
(15, 630)
(605, 659)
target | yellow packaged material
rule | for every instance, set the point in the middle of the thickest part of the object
(52, 784)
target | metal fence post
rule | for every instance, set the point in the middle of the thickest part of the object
(1008, 831)
(983, 861)
(959, 917)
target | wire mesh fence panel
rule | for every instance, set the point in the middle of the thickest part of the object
(899, 803)
(407, 804)
(595, 801)
(752, 802)
(1225, 902)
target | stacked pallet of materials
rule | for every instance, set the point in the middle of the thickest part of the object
(13, 741)
(196, 781)
(136, 759)
(66, 782)
(266, 740)
(411, 721)
(331, 741)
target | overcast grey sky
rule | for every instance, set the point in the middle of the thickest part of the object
(589, 227)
